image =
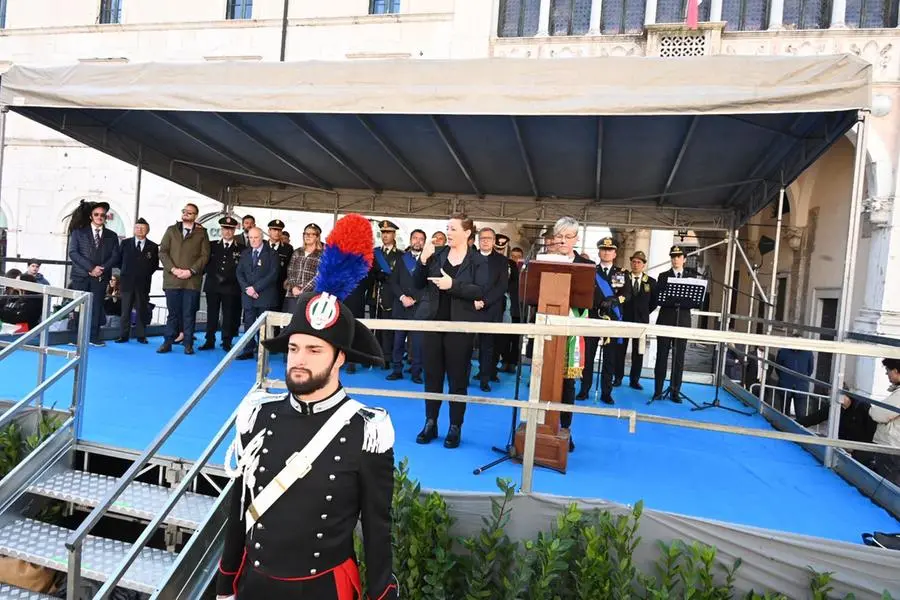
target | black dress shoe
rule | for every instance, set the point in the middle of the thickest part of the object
(165, 348)
(582, 395)
(188, 349)
(571, 441)
(607, 400)
(142, 340)
(635, 385)
(676, 397)
(245, 355)
(417, 379)
(208, 345)
(428, 433)
(122, 340)
(617, 383)
(394, 376)
(452, 439)
(226, 345)
(485, 386)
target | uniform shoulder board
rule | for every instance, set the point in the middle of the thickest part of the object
(249, 408)
(378, 433)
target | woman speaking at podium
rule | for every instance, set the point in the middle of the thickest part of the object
(565, 233)
(454, 278)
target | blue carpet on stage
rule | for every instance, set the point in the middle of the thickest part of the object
(132, 392)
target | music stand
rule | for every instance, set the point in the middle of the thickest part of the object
(681, 293)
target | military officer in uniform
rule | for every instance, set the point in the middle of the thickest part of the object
(284, 252)
(381, 296)
(310, 464)
(669, 315)
(637, 310)
(610, 293)
(221, 286)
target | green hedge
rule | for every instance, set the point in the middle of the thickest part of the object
(585, 556)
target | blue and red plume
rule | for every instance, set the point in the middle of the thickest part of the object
(347, 258)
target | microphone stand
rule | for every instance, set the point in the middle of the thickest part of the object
(509, 451)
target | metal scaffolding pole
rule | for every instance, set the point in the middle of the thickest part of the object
(137, 183)
(843, 321)
(727, 294)
(770, 309)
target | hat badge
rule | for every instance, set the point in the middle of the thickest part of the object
(322, 311)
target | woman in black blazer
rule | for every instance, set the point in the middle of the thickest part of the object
(454, 279)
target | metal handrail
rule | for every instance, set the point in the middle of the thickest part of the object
(173, 498)
(43, 326)
(19, 406)
(41, 289)
(75, 541)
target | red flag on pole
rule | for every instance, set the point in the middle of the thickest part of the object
(693, 13)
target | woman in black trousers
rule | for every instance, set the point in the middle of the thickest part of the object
(453, 279)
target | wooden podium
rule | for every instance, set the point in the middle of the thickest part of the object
(555, 288)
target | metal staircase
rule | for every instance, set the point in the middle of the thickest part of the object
(179, 564)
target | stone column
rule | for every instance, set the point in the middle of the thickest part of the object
(776, 15)
(596, 11)
(838, 14)
(880, 313)
(650, 12)
(715, 10)
(544, 19)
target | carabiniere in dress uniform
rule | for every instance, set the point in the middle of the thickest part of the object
(306, 473)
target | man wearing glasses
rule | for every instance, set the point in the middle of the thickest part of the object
(184, 252)
(94, 251)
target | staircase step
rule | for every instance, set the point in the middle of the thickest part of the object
(44, 545)
(141, 500)
(8, 592)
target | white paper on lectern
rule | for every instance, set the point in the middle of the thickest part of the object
(693, 281)
(553, 258)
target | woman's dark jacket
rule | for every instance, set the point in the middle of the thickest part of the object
(468, 285)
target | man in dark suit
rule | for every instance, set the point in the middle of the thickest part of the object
(637, 310)
(669, 315)
(94, 251)
(610, 294)
(221, 286)
(140, 260)
(508, 350)
(381, 297)
(257, 274)
(247, 223)
(493, 307)
(406, 297)
(284, 252)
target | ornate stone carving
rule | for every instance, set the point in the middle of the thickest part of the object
(880, 56)
(879, 210)
(794, 237)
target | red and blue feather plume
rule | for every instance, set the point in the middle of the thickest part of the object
(347, 258)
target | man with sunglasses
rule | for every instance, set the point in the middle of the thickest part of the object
(94, 251)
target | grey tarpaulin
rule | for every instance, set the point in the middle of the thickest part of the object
(772, 561)
(503, 139)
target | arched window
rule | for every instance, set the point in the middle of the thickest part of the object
(570, 17)
(518, 18)
(674, 11)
